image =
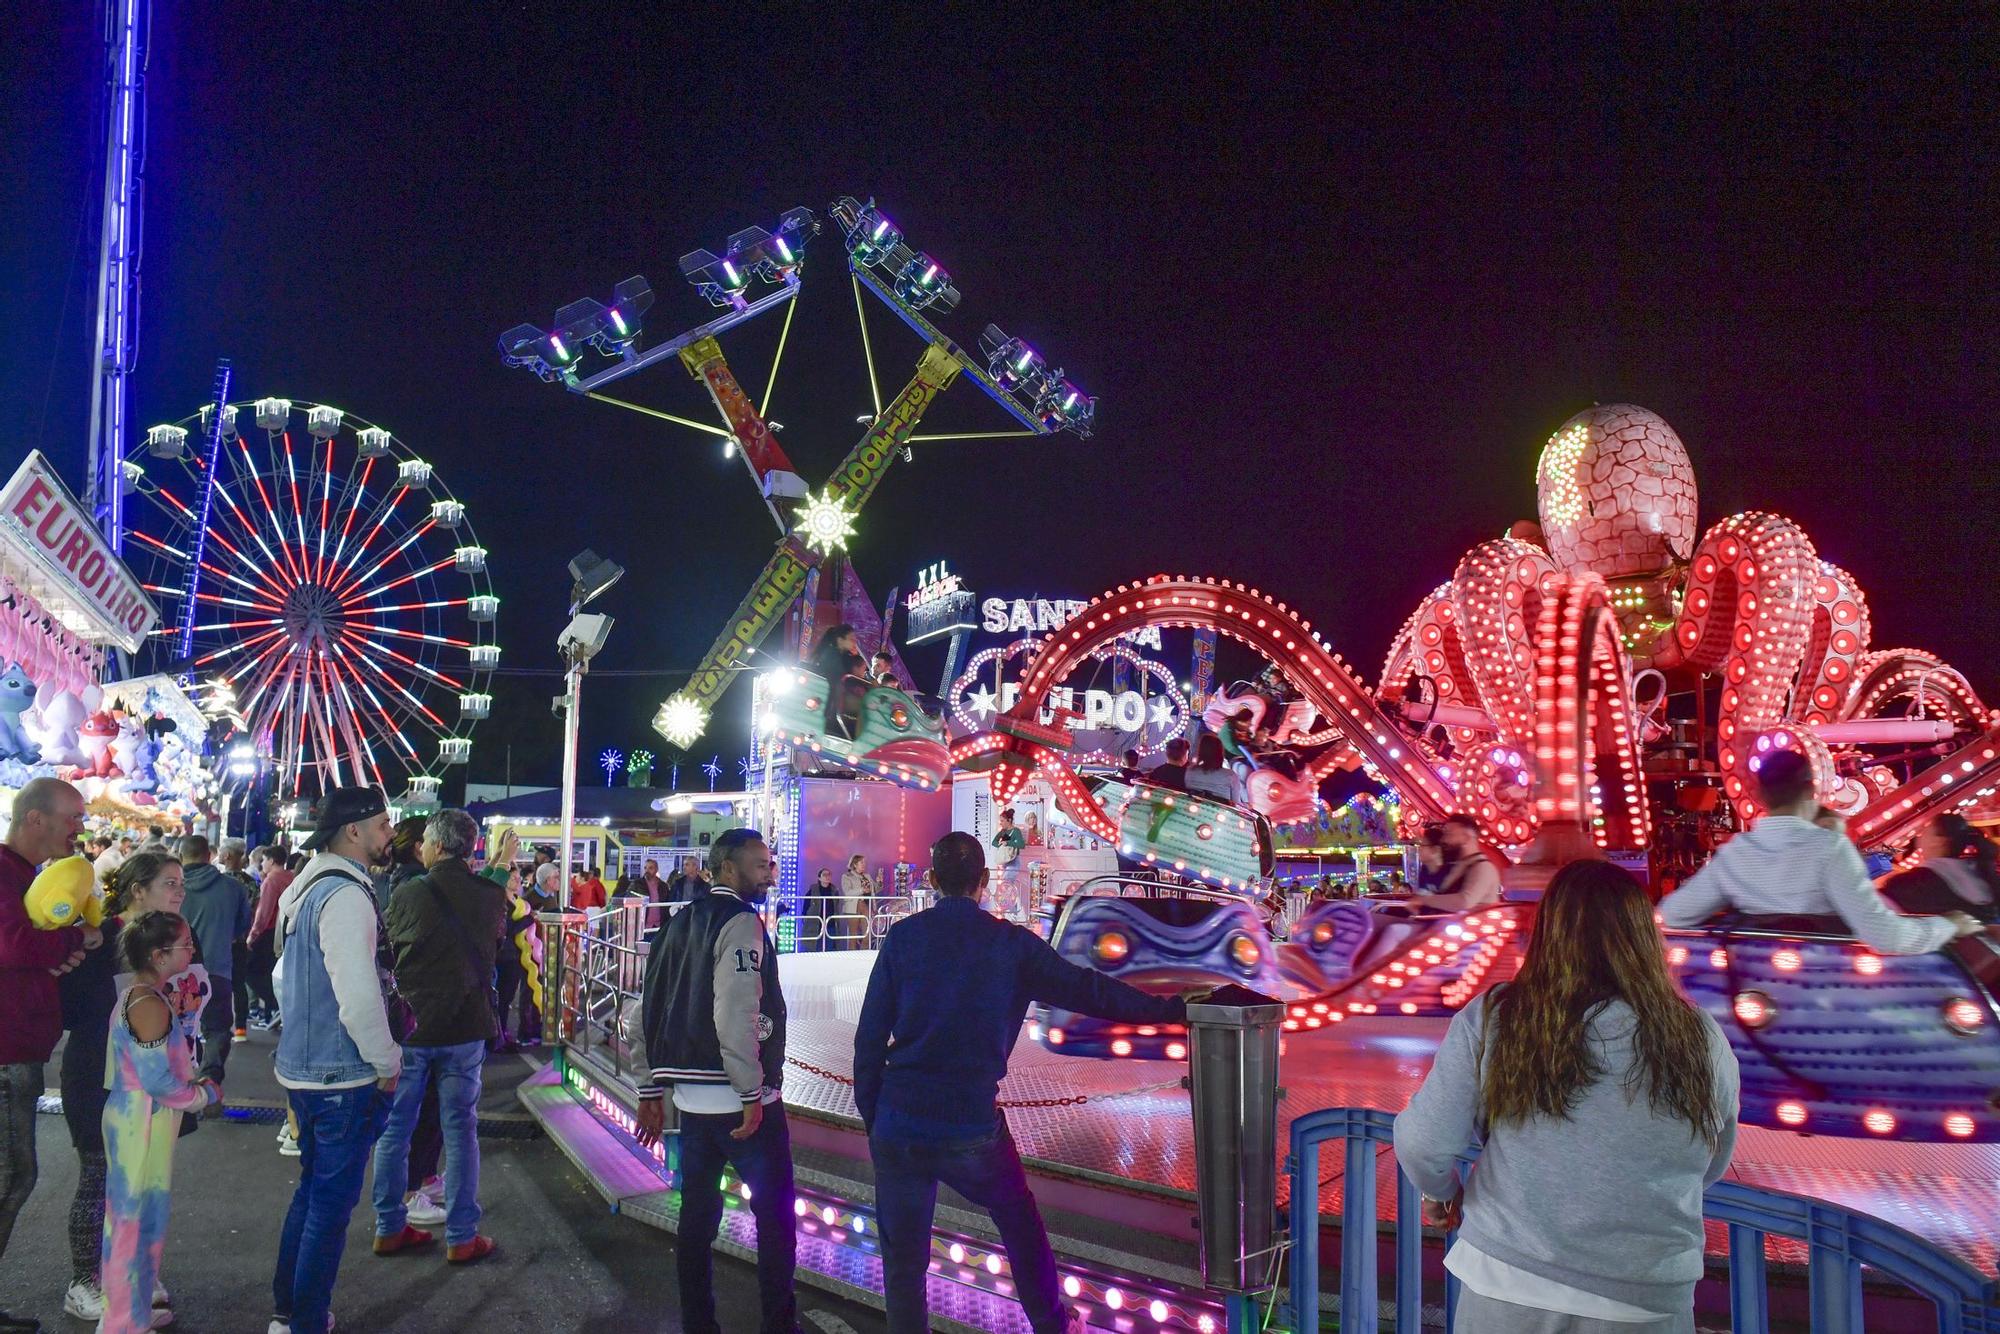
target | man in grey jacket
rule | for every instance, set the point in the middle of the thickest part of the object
(1787, 865)
(218, 911)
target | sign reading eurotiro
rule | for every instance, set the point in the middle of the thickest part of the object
(51, 529)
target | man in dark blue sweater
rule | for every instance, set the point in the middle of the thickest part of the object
(945, 1003)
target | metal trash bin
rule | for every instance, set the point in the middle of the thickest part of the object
(1233, 1069)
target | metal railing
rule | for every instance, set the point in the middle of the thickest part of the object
(859, 928)
(1840, 1243)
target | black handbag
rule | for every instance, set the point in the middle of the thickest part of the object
(471, 954)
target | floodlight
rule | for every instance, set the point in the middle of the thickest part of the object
(593, 575)
(630, 300)
(677, 805)
(922, 281)
(583, 638)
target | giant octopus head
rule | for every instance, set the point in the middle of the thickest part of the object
(1616, 493)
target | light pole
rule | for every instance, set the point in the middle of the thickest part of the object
(579, 643)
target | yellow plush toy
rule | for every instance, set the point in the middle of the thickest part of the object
(64, 894)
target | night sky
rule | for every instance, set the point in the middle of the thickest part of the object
(1333, 285)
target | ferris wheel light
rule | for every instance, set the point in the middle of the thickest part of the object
(273, 413)
(680, 720)
(825, 522)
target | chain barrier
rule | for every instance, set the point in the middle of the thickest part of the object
(1073, 1100)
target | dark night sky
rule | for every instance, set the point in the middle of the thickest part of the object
(1334, 285)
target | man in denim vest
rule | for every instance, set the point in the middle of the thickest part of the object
(337, 1058)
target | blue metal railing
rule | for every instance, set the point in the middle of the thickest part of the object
(1839, 1243)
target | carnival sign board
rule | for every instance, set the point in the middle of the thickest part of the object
(78, 570)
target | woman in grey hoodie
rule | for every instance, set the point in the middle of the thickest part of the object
(1606, 1104)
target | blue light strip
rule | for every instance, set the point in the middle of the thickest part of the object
(118, 295)
(184, 639)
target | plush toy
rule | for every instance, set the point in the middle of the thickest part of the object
(64, 894)
(125, 746)
(17, 695)
(52, 724)
(94, 738)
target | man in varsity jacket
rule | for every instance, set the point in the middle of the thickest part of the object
(714, 1022)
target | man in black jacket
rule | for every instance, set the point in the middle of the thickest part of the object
(714, 1022)
(944, 1008)
(444, 927)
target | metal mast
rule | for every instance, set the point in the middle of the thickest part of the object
(127, 26)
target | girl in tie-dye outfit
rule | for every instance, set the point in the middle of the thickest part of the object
(150, 1074)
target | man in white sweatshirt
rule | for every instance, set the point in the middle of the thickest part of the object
(337, 1059)
(1788, 865)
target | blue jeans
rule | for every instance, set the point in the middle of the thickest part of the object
(336, 1131)
(457, 1070)
(986, 1171)
(764, 1163)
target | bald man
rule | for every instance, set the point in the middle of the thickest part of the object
(47, 821)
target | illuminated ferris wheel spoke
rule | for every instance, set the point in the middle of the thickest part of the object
(270, 509)
(216, 534)
(272, 641)
(359, 751)
(379, 590)
(388, 723)
(325, 508)
(446, 640)
(411, 606)
(353, 506)
(364, 646)
(298, 510)
(158, 545)
(248, 530)
(397, 686)
(343, 590)
(379, 518)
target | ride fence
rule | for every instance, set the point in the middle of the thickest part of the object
(1841, 1246)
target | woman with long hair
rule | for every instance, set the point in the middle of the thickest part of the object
(857, 902)
(1606, 1104)
(1956, 873)
(145, 882)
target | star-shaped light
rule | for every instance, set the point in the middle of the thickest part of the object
(680, 720)
(1162, 710)
(981, 701)
(825, 522)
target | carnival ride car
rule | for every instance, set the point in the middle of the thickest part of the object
(893, 737)
(1510, 696)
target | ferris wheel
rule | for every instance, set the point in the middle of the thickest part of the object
(327, 578)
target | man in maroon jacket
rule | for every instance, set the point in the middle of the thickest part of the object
(48, 819)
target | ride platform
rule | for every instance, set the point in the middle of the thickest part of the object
(1109, 1148)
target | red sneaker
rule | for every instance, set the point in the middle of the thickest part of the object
(470, 1252)
(410, 1238)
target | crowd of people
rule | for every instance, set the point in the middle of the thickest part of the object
(381, 956)
(377, 954)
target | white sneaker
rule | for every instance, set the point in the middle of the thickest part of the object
(85, 1301)
(423, 1210)
(285, 1327)
(288, 1146)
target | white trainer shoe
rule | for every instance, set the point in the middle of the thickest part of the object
(85, 1301)
(423, 1210)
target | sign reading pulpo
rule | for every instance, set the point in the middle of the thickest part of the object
(940, 606)
(53, 530)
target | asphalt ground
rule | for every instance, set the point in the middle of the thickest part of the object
(566, 1262)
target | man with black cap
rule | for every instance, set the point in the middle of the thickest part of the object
(714, 1022)
(337, 1056)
